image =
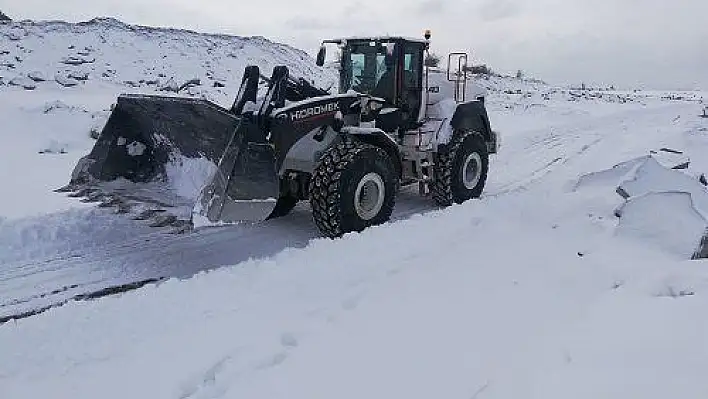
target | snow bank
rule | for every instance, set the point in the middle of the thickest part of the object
(665, 207)
(608, 177)
(666, 220)
(652, 177)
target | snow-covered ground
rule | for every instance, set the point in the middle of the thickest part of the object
(537, 290)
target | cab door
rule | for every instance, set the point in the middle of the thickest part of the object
(411, 82)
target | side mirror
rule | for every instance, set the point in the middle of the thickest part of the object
(321, 56)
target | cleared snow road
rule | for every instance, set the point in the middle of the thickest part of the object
(87, 252)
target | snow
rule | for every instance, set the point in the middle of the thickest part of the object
(443, 109)
(650, 176)
(410, 321)
(135, 148)
(664, 206)
(356, 130)
(536, 290)
(666, 219)
(377, 38)
(189, 175)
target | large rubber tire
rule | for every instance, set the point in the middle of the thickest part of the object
(466, 151)
(343, 171)
(283, 207)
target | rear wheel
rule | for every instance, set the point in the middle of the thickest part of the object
(352, 188)
(460, 169)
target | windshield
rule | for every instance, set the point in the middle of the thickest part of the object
(365, 70)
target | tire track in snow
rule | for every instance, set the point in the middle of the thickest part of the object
(153, 256)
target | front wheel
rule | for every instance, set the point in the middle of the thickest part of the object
(352, 188)
(460, 169)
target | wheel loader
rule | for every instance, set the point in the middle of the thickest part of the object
(394, 122)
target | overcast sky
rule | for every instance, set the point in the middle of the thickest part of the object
(628, 43)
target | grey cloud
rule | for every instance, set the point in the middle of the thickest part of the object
(429, 7)
(492, 10)
(307, 23)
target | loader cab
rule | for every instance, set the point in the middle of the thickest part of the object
(387, 67)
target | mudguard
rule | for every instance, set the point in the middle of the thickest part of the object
(472, 116)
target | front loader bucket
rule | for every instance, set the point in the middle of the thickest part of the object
(245, 186)
(176, 156)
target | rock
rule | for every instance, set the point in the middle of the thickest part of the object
(80, 76)
(53, 105)
(65, 80)
(4, 18)
(170, 85)
(15, 35)
(37, 76)
(54, 147)
(219, 84)
(72, 60)
(24, 82)
(58, 105)
(190, 83)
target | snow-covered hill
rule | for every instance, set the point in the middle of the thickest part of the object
(570, 278)
(137, 58)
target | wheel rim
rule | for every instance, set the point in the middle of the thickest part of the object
(472, 170)
(369, 196)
